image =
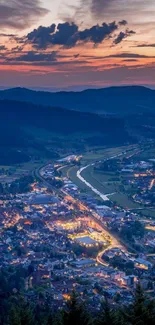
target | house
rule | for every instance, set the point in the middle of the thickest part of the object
(142, 264)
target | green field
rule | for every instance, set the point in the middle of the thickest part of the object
(96, 154)
(103, 180)
(122, 200)
(150, 213)
(149, 153)
(99, 180)
(19, 170)
(72, 175)
(103, 187)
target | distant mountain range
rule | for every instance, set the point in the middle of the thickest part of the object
(28, 130)
(122, 101)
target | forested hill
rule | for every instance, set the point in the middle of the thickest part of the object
(24, 127)
(56, 119)
(114, 100)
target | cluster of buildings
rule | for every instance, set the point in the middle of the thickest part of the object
(49, 232)
(140, 178)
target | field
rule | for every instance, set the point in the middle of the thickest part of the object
(71, 173)
(97, 154)
(147, 154)
(101, 181)
(11, 173)
(122, 199)
(150, 213)
(102, 186)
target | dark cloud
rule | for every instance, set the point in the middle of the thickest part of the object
(68, 35)
(7, 35)
(96, 10)
(64, 34)
(42, 36)
(17, 49)
(130, 60)
(32, 56)
(20, 14)
(128, 55)
(97, 7)
(139, 12)
(146, 45)
(39, 59)
(116, 8)
(76, 55)
(122, 35)
(97, 34)
(123, 22)
(3, 48)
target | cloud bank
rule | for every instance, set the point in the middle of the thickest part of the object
(68, 34)
(19, 14)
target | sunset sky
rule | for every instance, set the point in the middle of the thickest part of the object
(77, 43)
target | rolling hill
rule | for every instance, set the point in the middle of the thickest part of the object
(28, 130)
(114, 100)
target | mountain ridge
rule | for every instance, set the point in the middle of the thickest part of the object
(123, 100)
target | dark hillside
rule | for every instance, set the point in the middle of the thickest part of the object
(114, 100)
(23, 127)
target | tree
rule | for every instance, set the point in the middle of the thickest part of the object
(142, 312)
(14, 315)
(107, 316)
(26, 314)
(57, 320)
(1, 189)
(43, 314)
(139, 307)
(75, 313)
